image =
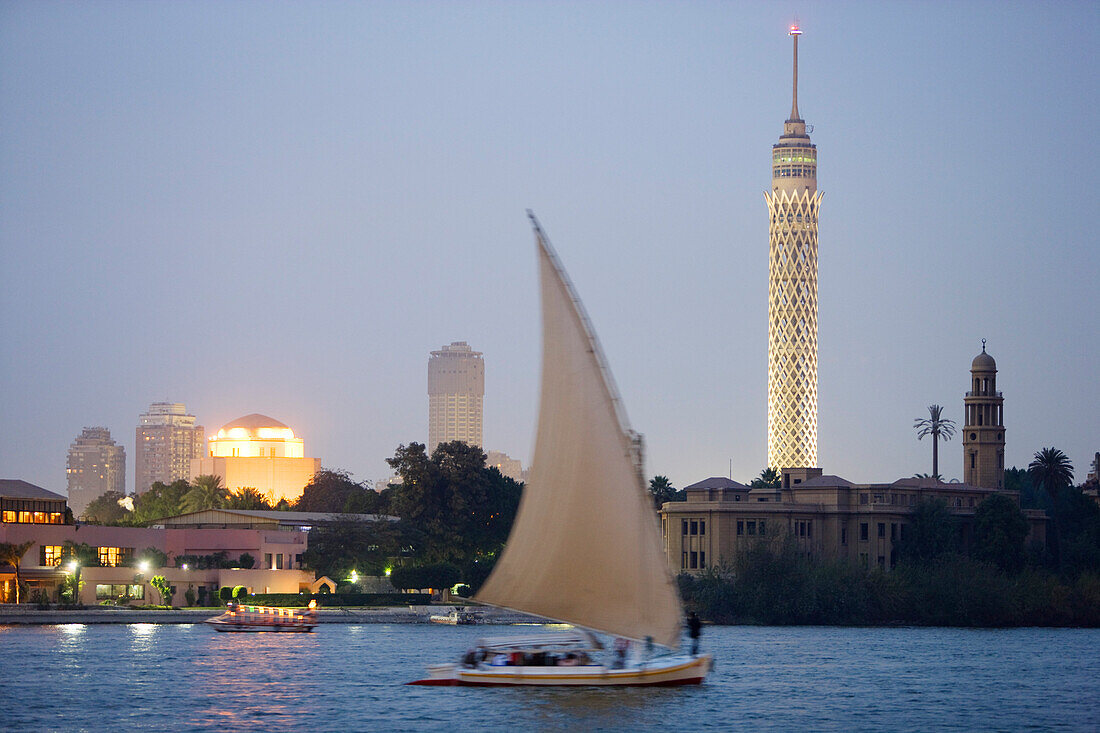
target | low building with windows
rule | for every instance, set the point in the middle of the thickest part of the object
(36, 515)
(826, 515)
(24, 503)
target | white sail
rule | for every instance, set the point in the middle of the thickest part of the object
(585, 547)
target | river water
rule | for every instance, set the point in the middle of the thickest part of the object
(349, 677)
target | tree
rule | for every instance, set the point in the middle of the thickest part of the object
(107, 509)
(11, 553)
(161, 500)
(1000, 529)
(206, 492)
(334, 492)
(75, 557)
(768, 479)
(246, 561)
(936, 426)
(933, 531)
(662, 490)
(337, 548)
(1052, 472)
(463, 509)
(163, 587)
(248, 497)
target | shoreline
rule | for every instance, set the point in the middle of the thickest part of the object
(388, 615)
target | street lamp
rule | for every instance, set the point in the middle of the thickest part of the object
(143, 567)
(72, 566)
(185, 566)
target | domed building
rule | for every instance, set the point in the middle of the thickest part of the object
(261, 452)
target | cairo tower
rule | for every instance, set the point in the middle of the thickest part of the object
(793, 204)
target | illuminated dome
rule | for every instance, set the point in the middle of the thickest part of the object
(256, 436)
(256, 426)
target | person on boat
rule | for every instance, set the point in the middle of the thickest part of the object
(470, 658)
(621, 646)
(569, 660)
(695, 627)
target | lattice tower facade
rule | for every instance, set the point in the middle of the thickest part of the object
(793, 205)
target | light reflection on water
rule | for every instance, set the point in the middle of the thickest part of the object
(350, 678)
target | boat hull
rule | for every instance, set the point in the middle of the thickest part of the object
(278, 628)
(657, 673)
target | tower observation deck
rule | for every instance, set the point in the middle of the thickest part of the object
(793, 205)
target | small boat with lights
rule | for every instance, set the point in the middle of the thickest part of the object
(456, 617)
(585, 548)
(266, 618)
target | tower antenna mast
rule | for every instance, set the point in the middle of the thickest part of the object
(795, 32)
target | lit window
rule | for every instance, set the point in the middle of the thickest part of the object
(9, 516)
(50, 555)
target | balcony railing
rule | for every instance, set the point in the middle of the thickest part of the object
(972, 393)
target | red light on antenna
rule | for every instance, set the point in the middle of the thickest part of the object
(795, 31)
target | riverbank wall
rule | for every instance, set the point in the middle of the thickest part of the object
(391, 615)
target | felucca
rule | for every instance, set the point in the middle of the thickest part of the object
(585, 548)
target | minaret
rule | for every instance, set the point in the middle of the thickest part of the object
(793, 205)
(984, 431)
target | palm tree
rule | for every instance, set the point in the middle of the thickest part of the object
(937, 426)
(12, 554)
(1052, 471)
(206, 492)
(769, 478)
(248, 497)
(662, 490)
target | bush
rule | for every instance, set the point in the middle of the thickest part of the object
(247, 561)
(226, 593)
(190, 595)
(240, 591)
(298, 600)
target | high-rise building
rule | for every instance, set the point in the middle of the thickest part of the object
(984, 429)
(261, 452)
(793, 205)
(95, 466)
(456, 389)
(167, 439)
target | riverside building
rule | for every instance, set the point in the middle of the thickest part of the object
(456, 390)
(95, 465)
(829, 516)
(793, 205)
(167, 439)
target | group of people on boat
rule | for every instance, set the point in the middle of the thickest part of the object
(475, 657)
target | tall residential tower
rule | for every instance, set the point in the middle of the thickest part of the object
(793, 204)
(456, 388)
(167, 438)
(95, 466)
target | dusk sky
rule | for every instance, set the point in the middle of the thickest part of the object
(284, 207)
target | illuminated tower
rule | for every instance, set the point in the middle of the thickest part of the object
(984, 431)
(456, 389)
(793, 204)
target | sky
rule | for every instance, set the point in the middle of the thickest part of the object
(283, 208)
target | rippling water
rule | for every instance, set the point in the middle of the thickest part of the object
(142, 676)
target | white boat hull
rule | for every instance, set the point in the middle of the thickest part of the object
(663, 671)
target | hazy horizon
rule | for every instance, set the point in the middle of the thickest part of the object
(283, 208)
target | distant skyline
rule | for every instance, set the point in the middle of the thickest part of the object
(284, 208)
